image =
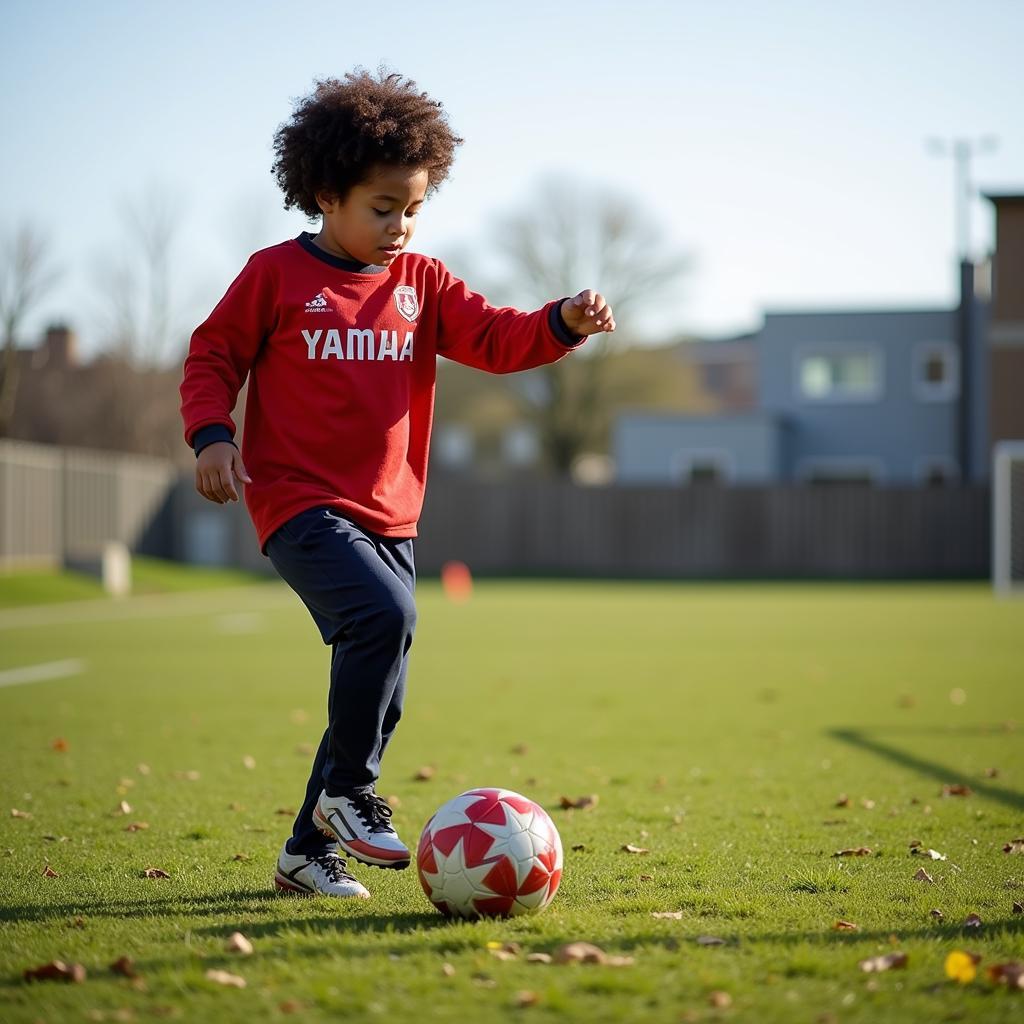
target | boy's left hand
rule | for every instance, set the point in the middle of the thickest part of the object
(587, 313)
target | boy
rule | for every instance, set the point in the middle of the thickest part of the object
(339, 334)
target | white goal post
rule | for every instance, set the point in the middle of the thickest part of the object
(1008, 517)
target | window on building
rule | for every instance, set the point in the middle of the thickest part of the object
(846, 375)
(703, 467)
(841, 471)
(938, 471)
(936, 372)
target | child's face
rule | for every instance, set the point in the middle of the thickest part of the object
(376, 220)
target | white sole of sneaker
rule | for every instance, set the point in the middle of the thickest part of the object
(357, 849)
(290, 886)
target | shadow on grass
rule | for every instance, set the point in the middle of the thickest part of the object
(940, 772)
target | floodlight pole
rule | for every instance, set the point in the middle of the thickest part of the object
(962, 150)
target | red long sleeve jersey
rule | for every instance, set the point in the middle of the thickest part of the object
(341, 366)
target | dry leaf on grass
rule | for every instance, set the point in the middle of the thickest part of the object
(448, 970)
(630, 848)
(1013, 846)
(56, 970)
(519, 749)
(854, 851)
(142, 769)
(867, 803)
(668, 915)
(917, 851)
(137, 826)
(647, 878)
(155, 873)
(845, 926)
(920, 875)
(587, 953)
(1010, 974)
(424, 774)
(238, 943)
(538, 958)
(719, 999)
(124, 966)
(710, 940)
(1018, 908)
(956, 789)
(240, 856)
(843, 801)
(124, 808)
(393, 801)
(961, 966)
(525, 997)
(249, 762)
(224, 978)
(991, 773)
(886, 962)
(57, 839)
(290, 1006)
(579, 848)
(60, 745)
(15, 813)
(972, 921)
(285, 812)
(580, 803)
(936, 913)
(502, 954)
(48, 872)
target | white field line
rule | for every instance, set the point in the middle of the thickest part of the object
(41, 673)
(152, 606)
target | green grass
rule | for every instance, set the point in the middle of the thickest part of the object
(149, 576)
(717, 724)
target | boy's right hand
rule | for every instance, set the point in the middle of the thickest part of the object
(214, 469)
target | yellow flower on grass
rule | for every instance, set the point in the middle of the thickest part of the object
(961, 966)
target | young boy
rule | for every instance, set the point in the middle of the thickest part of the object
(338, 333)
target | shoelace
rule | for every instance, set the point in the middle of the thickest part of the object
(334, 867)
(374, 810)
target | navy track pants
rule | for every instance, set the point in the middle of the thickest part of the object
(358, 587)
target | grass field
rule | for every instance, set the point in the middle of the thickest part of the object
(718, 724)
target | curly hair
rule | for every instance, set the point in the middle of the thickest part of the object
(344, 129)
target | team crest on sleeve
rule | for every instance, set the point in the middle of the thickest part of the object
(407, 302)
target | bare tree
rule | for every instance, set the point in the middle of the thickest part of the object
(566, 238)
(24, 277)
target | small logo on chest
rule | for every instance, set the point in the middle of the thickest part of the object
(407, 302)
(317, 304)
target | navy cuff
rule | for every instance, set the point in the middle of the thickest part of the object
(206, 436)
(558, 328)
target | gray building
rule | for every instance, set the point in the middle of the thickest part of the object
(873, 396)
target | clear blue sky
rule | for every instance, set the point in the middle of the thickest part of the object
(782, 143)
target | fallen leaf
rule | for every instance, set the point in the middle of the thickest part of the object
(843, 801)
(936, 913)
(956, 789)
(1018, 908)
(56, 970)
(424, 774)
(238, 943)
(290, 1006)
(579, 847)
(719, 999)
(240, 856)
(393, 801)
(647, 878)
(142, 769)
(155, 873)
(447, 970)
(48, 872)
(502, 954)
(525, 997)
(1013, 846)
(630, 848)
(587, 953)
(668, 915)
(868, 805)
(76, 922)
(224, 978)
(854, 851)
(922, 876)
(249, 762)
(137, 826)
(286, 812)
(60, 745)
(886, 962)
(538, 958)
(125, 967)
(1010, 974)
(710, 940)
(991, 773)
(304, 749)
(189, 776)
(961, 966)
(972, 921)
(520, 749)
(15, 813)
(581, 803)
(915, 843)
(124, 807)
(929, 853)
(57, 839)
(845, 926)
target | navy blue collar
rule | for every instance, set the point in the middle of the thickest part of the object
(352, 266)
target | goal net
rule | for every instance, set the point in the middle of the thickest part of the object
(1008, 517)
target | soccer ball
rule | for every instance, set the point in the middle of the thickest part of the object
(489, 853)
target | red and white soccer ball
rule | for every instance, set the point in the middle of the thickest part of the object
(489, 853)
